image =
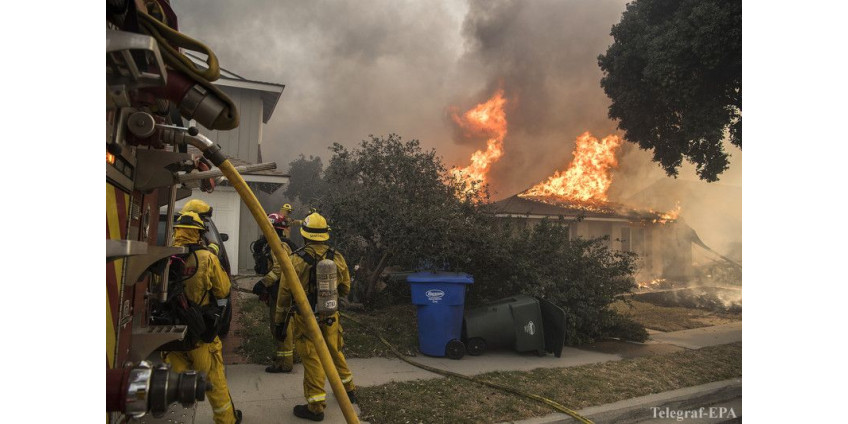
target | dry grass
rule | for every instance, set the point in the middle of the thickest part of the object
(396, 323)
(664, 318)
(459, 401)
(257, 345)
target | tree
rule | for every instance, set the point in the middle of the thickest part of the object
(305, 179)
(674, 75)
(391, 204)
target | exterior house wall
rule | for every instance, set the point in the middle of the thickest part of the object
(658, 251)
(676, 250)
(581, 229)
(243, 141)
(601, 229)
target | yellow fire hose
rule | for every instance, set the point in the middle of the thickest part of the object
(211, 152)
(546, 401)
(312, 329)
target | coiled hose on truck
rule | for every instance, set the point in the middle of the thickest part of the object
(169, 42)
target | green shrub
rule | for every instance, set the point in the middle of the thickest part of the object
(392, 205)
(581, 276)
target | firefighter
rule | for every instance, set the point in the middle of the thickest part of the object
(204, 211)
(208, 277)
(267, 289)
(288, 221)
(315, 233)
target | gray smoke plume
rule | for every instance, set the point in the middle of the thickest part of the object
(350, 68)
(544, 55)
(382, 66)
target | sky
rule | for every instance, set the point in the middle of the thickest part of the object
(352, 69)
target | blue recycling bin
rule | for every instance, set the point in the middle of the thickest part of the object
(440, 298)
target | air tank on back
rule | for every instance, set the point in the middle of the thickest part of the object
(326, 276)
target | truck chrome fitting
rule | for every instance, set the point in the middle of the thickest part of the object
(152, 389)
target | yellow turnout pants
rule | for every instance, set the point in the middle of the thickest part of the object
(284, 356)
(313, 374)
(206, 358)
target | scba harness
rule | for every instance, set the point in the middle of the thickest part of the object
(203, 322)
(261, 251)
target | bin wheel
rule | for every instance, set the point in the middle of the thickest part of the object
(455, 349)
(476, 346)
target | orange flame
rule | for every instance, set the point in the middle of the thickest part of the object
(487, 119)
(672, 214)
(588, 176)
(653, 284)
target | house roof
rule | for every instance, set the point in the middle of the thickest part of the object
(533, 207)
(269, 92)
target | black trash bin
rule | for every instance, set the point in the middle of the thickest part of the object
(520, 322)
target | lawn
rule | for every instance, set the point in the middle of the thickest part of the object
(672, 318)
(396, 323)
(453, 400)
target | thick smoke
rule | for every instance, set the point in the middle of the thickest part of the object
(382, 66)
(350, 68)
(544, 55)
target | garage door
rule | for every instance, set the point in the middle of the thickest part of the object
(225, 205)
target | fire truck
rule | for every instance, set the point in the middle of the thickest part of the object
(152, 89)
(150, 93)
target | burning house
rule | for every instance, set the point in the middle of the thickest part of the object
(576, 197)
(664, 246)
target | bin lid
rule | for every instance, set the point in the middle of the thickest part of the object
(554, 323)
(440, 277)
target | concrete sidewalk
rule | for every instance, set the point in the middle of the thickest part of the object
(269, 398)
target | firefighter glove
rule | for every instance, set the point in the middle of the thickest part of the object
(280, 332)
(261, 290)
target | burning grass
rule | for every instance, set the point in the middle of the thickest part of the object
(460, 401)
(672, 318)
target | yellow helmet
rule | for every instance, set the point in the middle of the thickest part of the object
(286, 208)
(190, 220)
(201, 208)
(315, 228)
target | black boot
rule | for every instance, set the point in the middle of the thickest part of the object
(277, 368)
(302, 411)
(238, 416)
(352, 396)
